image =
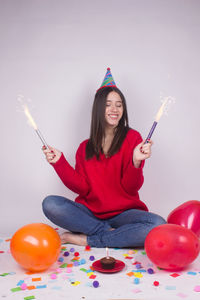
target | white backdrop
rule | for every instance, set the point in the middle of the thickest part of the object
(56, 52)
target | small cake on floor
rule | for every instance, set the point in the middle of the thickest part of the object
(108, 262)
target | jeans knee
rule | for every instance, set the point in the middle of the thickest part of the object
(48, 204)
(159, 221)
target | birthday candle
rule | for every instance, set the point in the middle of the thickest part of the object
(107, 256)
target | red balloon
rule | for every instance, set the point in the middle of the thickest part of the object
(35, 246)
(187, 215)
(171, 246)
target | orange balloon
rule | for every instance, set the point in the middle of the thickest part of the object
(35, 246)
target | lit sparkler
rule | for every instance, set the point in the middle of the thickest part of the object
(32, 122)
(164, 107)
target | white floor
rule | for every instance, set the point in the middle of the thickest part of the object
(76, 285)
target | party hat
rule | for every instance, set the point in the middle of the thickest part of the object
(108, 80)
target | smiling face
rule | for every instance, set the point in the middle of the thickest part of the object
(113, 110)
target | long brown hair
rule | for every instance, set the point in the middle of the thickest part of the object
(98, 124)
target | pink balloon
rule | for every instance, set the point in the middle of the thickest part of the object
(187, 215)
(171, 247)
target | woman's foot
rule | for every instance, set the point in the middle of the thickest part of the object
(74, 238)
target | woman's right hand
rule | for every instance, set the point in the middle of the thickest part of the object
(52, 154)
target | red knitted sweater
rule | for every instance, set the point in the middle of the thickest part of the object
(107, 186)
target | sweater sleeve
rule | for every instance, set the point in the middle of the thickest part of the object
(74, 179)
(132, 178)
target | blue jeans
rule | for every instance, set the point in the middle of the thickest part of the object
(130, 227)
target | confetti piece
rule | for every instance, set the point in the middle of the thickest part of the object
(87, 248)
(181, 295)
(36, 279)
(89, 271)
(31, 287)
(68, 270)
(95, 284)
(197, 288)
(192, 273)
(20, 282)
(58, 270)
(128, 257)
(84, 270)
(29, 297)
(16, 289)
(89, 284)
(61, 259)
(92, 276)
(138, 266)
(136, 291)
(156, 283)
(150, 271)
(56, 288)
(138, 274)
(135, 251)
(130, 274)
(63, 265)
(82, 261)
(75, 283)
(69, 265)
(41, 286)
(174, 275)
(53, 276)
(23, 286)
(75, 259)
(89, 274)
(136, 281)
(4, 274)
(1, 251)
(139, 271)
(170, 287)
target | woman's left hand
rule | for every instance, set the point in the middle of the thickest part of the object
(141, 152)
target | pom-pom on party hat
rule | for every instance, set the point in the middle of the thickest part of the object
(108, 80)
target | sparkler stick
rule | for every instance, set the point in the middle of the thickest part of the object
(166, 101)
(33, 124)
